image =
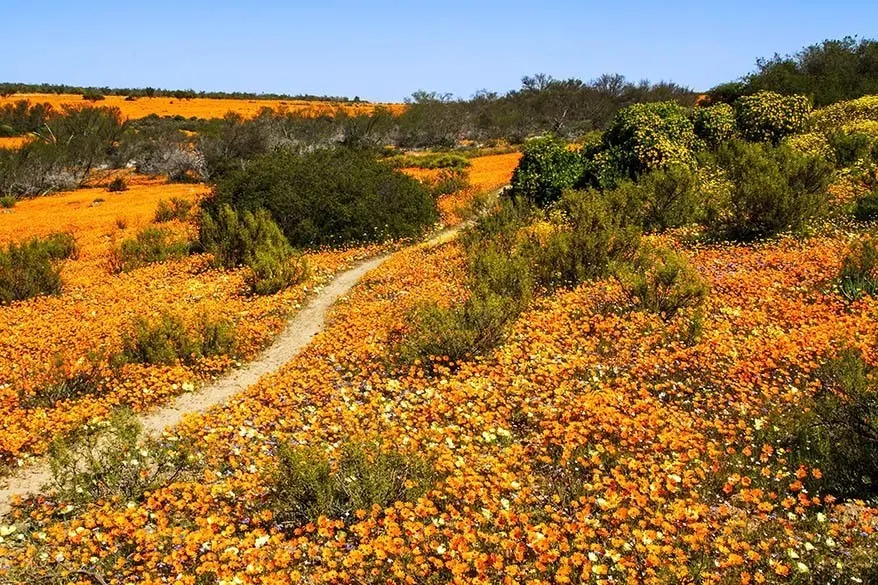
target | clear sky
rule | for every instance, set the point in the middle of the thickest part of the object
(383, 50)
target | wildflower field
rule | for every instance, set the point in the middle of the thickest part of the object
(651, 360)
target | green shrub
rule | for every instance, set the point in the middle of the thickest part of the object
(8, 201)
(112, 460)
(253, 240)
(178, 209)
(307, 484)
(166, 340)
(329, 196)
(150, 245)
(842, 114)
(500, 288)
(117, 185)
(848, 149)
(836, 431)
(28, 269)
(866, 206)
(648, 136)
(60, 246)
(590, 237)
(768, 116)
(429, 161)
(772, 189)
(450, 180)
(714, 124)
(859, 270)
(669, 197)
(92, 95)
(545, 170)
(662, 282)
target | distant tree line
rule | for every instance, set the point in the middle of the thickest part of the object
(828, 72)
(8, 89)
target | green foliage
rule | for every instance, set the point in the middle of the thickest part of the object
(329, 196)
(866, 206)
(253, 240)
(859, 270)
(307, 484)
(166, 340)
(589, 235)
(29, 269)
(450, 180)
(772, 189)
(117, 185)
(643, 137)
(178, 209)
(769, 117)
(92, 95)
(500, 289)
(662, 282)
(112, 460)
(834, 70)
(668, 197)
(150, 245)
(849, 149)
(8, 201)
(714, 124)
(836, 430)
(439, 160)
(546, 169)
(847, 115)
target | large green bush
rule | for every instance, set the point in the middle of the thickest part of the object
(662, 282)
(649, 136)
(769, 117)
(328, 197)
(29, 269)
(546, 169)
(714, 124)
(772, 189)
(253, 240)
(668, 197)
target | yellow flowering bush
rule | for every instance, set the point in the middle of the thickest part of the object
(843, 114)
(769, 116)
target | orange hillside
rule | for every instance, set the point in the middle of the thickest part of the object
(198, 107)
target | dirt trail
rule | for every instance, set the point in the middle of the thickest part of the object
(296, 335)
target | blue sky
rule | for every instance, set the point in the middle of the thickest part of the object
(383, 50)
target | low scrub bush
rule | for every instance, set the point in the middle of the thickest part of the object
(769, 116)
(166, 340)
(253, 240)
(772, 189)
(113, 460)
(590, 236)
(450, 180)
(307, 484)
(30, 269)
(859, 270)
(546, 169)
(8, 201)
(177, 208)
(849, 149)
(117, 185)
(500, 288)
(429, 161)
(150, 245)
(63, 384)
(668, 197)
(329, 196)
(836, 431)
(866, 206)
(662, 282)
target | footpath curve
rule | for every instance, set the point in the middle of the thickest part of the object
(296, 335)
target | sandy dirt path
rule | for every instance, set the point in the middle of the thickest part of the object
(293, 339)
